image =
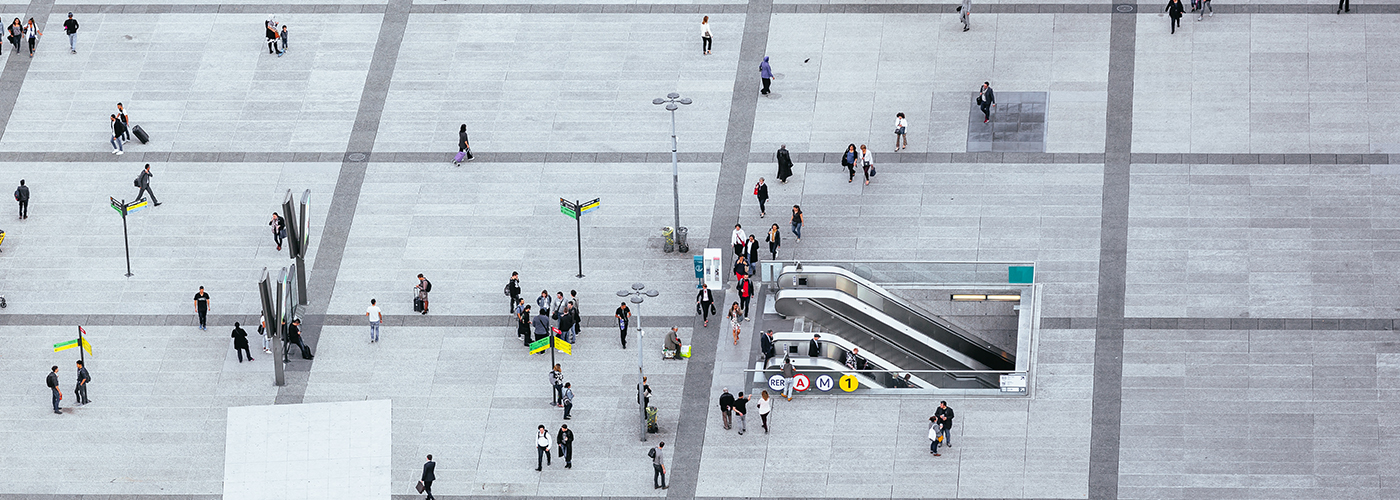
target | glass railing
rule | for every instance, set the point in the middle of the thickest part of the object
(918, 272)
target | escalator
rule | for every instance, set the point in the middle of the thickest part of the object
(866, 315)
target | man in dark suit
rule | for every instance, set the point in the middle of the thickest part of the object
(22, 196)
(294, 338)
(767, 342)
(429, 477)
(705, 302)
(986, 98)
(80, 392)
(814, 348)
(143, 185)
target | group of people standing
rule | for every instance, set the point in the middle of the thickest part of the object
(276, 36)
(549, 313)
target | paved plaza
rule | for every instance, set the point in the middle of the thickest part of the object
(1214, 218)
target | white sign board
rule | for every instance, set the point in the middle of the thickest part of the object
(1013, 383)
(714, 268)
(777, 383)
(825, 383)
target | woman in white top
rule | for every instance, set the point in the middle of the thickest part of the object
(705, 35)
(867, 162)
(765, 405)
(899, 125)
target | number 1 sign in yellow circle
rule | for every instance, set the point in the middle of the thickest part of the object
(849, 383)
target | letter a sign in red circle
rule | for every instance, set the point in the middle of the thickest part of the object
(801, 383)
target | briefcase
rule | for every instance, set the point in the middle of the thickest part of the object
(420, 487)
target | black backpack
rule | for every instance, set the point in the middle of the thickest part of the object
(427, 286)
(651, 453)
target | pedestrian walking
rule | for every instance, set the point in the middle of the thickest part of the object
(541, 449)
(565, 438)
(741, 409)
(987, 99)
(933, 437)
(1343, 4)
(848, 160)
(80, 391)
(464, 147)
(945, 415)
(775, 240)
(240, 342)
(645, 393)
(143, 182)
(545, 302)
(201, 306)
(766, 73)
(376, 318)
(753, 255)
(294, 339)
(766, 340)
(705, 303)
(797, 222)
(741, 265)
(126, 122)
(705, 36)
(623, 315)
(965, 14)
(745, 287)
(568, 399)
(428, 476)
(765, 406)
(736, 318)
(15, 33)
(118, 129)
(658, 465)
(279, 229)
(424, 286)
(1203, 6)
(1174, 12)
(738, 239)
(726, 407)
(71, 28)
(900, 127)
(22, 196)
(784, 164)
(513, 289)
(556, 381)
(32, 33)
(760, 190)
(867, 163)
(52, 382)
(789, 377)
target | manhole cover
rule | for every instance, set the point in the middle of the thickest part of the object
(1124, 8)
(357, 157)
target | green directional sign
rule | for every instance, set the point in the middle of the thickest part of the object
(567, 208)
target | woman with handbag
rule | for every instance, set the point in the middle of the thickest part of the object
(900, 124)
(279, 230)
(761, 191)
(16, 32)
(705, 36)
(774, 240)
(848, 160)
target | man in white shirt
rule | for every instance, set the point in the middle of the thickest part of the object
(375, 318)
(738, 239)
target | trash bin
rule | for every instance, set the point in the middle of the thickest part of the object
(680, 240)
(651, 420)
(669, 235)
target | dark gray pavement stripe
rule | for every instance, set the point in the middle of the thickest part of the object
(17, 66)
(226, 320)
(697, 157)
(1318, 324)
(1062, 8)
(323, 275)
(738, 142)
(441, 484)
(1106, 414)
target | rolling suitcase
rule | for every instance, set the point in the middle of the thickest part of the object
(417, 304)
(140, 134)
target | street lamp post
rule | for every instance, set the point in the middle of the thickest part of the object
(637, 294)
(670, 102)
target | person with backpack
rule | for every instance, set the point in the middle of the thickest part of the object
(568, 399)
(513, 289)
(542, 449)
(556, 380)
(52, 382)
(424, 286)
(658, 463)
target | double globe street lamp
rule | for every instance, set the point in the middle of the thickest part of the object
(670, 102)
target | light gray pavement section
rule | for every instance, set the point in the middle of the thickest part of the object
(559, 82)
(230, 95)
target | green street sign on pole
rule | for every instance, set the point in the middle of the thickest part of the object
(574, 210)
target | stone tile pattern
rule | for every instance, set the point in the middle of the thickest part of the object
(1259, 414)
(308, 451)
(1266, 241)
(1018, 124)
